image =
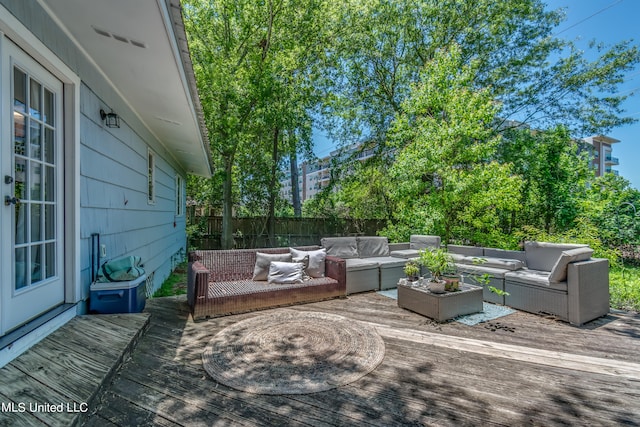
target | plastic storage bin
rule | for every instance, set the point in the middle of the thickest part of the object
(118, 297)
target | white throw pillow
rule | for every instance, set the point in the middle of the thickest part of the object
(261, 269)
(285, 272)
(316, 263)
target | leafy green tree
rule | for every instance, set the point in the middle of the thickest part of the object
(252, 62)
(555, 173)
(613, 206)
(444, 176)
(380, 48)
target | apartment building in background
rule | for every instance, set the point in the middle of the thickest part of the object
(314, 176)
(601, 148)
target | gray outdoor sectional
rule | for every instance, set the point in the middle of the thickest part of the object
(370, 267)
(558, 279)
(553, 278)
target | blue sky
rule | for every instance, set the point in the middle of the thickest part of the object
(610, 21)
(607, 21)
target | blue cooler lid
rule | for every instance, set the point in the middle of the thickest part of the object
(127, 284)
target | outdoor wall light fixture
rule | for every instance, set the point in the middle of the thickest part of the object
(112, 120)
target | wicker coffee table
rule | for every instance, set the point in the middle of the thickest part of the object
(441, 307)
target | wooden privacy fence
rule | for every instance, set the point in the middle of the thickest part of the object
(251, 233)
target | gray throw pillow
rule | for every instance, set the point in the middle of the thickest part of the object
(559, 271)
(261, 269)
(285, 272)
(315, 263)
(420, 241)
(341, 247)
(372, 246)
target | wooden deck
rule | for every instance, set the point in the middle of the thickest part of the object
(59, 380)
(521, 369)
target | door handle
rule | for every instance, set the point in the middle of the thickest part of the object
(11, 200)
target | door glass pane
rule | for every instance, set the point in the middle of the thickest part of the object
(21, 268)
(50, 270)
(49, 181)
(48, 145)
(19, 134)
(35, 147)
(48, 107)
(20, 178)
(19, 91)
(36, 263)
(36, 220)
(21, 223)
(49, 222)
(35, 181)
(35, 104)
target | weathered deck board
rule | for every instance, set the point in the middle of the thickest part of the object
(517, 370)
(68, 368)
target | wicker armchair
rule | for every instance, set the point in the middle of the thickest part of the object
(220, 283)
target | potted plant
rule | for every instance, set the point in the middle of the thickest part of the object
(452, 281)
(412, 270)
(438, 262)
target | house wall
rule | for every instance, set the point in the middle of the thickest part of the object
(114, 199)
(113, 166)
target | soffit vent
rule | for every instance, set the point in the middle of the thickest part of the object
(119, 37)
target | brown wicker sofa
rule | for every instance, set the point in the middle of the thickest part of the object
(220, 283)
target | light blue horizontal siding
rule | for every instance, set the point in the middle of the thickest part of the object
(113, 166)
(114, 200)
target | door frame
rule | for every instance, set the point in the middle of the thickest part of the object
(13, 29)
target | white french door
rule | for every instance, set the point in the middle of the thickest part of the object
(31, 159)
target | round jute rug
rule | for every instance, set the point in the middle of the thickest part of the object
(292, 352)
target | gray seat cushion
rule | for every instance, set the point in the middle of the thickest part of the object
(534, 277)
(502, 263)
(387, 261)
(357, 264)
(405, 253)
(479, 270)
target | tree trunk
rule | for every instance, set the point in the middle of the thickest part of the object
(295, 188)
(274, 188)
(226, 240)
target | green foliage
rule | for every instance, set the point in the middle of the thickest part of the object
(535, 76)
(198, 229)
(497, 291)
(612, 206)
(374, 66)
(411, 268)
(175, 284)
(554, 177)
(429, 85)
(252, 62)
(443, 172)
(625, 288)
(438, 262)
